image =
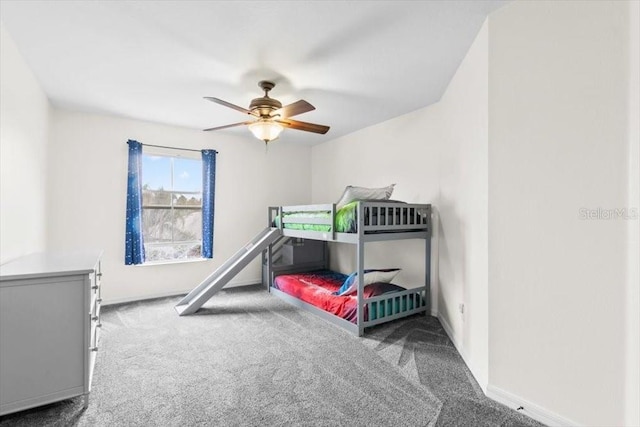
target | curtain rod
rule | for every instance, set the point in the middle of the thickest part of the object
(175, 148)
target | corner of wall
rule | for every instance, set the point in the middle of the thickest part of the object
(463, 208)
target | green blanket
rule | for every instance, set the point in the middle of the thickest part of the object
(346, 221)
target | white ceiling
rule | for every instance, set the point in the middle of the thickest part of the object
(358, 62)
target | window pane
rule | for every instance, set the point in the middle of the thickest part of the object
(156, 198)
(156, 172)
(165, 225)
(187, 174)
(154, 252)
(157, 225)
(187, 225)
(186, 199)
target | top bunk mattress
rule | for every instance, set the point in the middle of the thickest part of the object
(346, 220)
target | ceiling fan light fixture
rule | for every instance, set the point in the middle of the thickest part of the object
(266, 130)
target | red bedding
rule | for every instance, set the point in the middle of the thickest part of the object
(316, 288)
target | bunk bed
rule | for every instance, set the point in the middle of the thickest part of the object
(309, 285)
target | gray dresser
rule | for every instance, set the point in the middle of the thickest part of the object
(49, 328)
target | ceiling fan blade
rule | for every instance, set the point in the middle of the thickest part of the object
(294, 109)
(228, 104)
(228, 126)
(308, 127)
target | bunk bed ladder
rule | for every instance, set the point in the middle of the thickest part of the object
(219, 278)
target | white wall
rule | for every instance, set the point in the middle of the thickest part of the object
(87, 189)
(558, 143)
(462, 204)
(632, 387)
(403, 151)
(24, 122)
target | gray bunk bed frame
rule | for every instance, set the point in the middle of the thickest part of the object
(403, 221)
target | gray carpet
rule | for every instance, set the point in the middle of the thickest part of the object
(247, 358)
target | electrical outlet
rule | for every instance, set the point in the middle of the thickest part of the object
(461, 308)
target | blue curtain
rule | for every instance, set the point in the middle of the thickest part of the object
(134, 247)
(208, 200)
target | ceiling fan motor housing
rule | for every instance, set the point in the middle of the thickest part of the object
(265, 105)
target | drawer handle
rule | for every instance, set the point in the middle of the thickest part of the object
(99, 325)
(99, 274)
(94, 287)
(93, 348)
(94, 318)
(99, 300)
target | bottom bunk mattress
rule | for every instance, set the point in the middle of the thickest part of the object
(318, 288)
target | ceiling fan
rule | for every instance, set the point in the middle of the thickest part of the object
(270, 117)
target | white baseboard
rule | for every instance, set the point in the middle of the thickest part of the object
(449, 330)
(510, 400)
(529, 409)
(458, 345)
(231, 284)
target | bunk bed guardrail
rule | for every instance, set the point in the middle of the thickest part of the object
(379, 217)
(385, 308)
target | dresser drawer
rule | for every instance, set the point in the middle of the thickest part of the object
(95, 334)
(94, 340)
(95, 284)
(95, 324)
(94, 320)
(96, 279)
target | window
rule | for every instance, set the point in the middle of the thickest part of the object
(170, 204)
(171, 207)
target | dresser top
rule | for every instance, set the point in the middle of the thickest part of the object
(50, 264)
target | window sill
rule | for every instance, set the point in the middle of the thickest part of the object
(169, 262)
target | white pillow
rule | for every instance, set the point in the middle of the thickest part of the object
(352, 193)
